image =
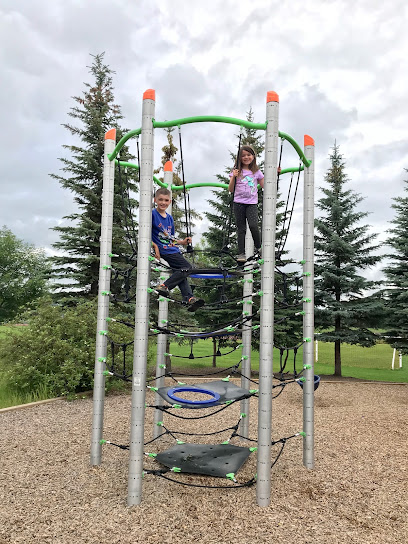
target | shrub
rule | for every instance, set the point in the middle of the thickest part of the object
(56, 350)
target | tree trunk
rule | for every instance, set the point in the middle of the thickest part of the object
(168, 359)
(337, 358)
(214, 362)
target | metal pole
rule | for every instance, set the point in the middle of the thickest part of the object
(142, 303)
(263, 488)
(308, 305)
(247, 335)
(162, 338)
(103, 297)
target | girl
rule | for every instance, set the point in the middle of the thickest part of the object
(245, 180)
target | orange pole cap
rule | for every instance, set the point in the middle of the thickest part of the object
(111, 134)
(149, 94)
(308, 140)
(271, 96)
(168, 167)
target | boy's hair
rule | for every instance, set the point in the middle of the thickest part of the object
(162, 191)
(253, 166)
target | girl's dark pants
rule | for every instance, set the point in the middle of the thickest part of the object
(244, 213)
(180, 267)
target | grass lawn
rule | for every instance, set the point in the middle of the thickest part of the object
(357, 362)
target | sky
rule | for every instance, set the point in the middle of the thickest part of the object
(339, 68)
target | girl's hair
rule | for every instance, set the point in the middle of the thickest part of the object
(253, 166)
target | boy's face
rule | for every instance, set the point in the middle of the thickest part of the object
(162, 202)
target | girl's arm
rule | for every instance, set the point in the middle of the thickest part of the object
(233, 177)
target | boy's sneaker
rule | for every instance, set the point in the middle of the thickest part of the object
(241, 258)
(162, 290)
(195, 303)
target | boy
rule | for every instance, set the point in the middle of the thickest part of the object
(165, 246)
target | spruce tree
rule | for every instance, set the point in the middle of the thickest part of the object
(397, 276)
(76, 271)
(344, 248)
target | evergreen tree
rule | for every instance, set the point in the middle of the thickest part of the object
(344, 248)
(397, 275)
(76, 271)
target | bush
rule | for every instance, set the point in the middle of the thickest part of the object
(56, 350)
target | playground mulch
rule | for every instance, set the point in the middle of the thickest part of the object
(357, 493)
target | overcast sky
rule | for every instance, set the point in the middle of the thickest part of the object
(339, 67)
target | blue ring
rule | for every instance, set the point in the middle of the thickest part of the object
(171, 394)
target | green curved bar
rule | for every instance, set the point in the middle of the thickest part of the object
(122, 142)
(209, 119)
(297, 148)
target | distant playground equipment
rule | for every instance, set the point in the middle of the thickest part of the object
(209, 459)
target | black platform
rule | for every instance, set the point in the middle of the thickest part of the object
(209, 459)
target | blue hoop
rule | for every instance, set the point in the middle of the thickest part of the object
(171, 393)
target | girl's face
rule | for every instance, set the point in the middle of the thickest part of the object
(246, 158)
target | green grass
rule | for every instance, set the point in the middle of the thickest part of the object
(357, 362)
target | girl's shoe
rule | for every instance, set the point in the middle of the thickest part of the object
(241, 258)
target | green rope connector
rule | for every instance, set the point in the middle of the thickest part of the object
(253, 449)
(102, 442)
(156, 331)
(183, 330)
(247, 270)
(255, 327)
(243, 415)
(261, 261)
(229, 401)
(307, 367)
(245, 313)
(143, 473)
(179, 335)
(177, 406)
(168, 355)
(244, 357)
(150, 290)
(175, 469)
(240, 302)
(307, 274)
(107, 267)
(225, 442)
(181, 383)
(260, 293)
(303, 261)
(249, 302)
(230, 329)
(302, 379)
(307, 339)
(107, 373)
(226, 379)
(180, 442)
(102, 359)
(151, 455)
(105, 293)
(108, 319)
(302, 433)
(153, 388)
(254, 391)
(164, 321)
(250, 281)
(160, 424)
(306, 300)
(164, 299)
(257, 271)
(103, 333)
(157, 269)
(162, 366)
(162, 277)
(151, 258)
(112, 255)
(231, 476)
(301, 313)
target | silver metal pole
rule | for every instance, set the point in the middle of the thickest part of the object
(162, 338)
(308, 306)
(103, 297)
(142, 303)
(247, 335)
(263, 488)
